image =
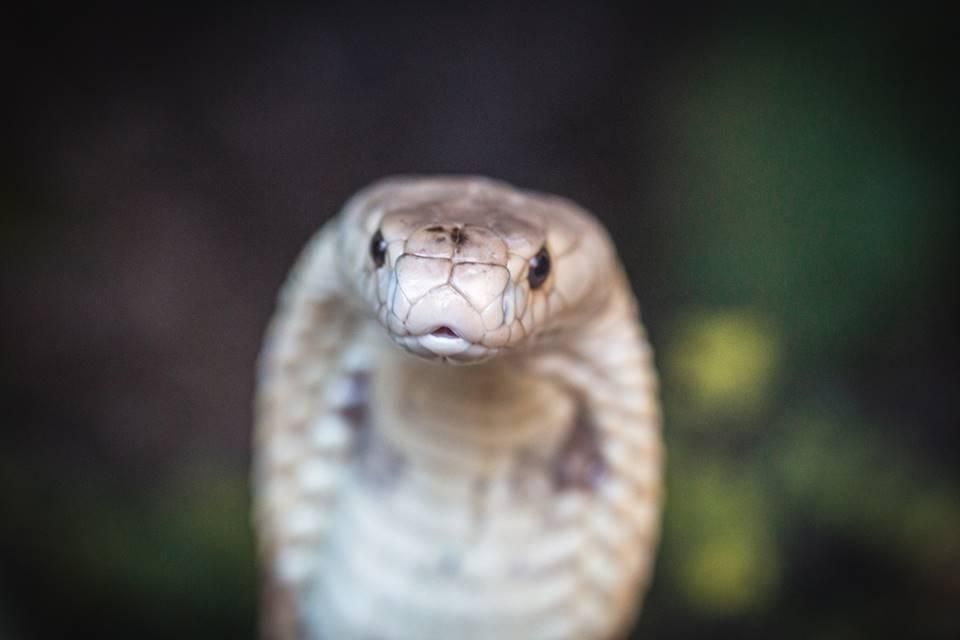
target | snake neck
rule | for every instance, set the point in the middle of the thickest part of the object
(468, 422)
(544, 405)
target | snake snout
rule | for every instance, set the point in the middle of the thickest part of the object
(444, 307)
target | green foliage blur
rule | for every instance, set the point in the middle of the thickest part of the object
(792, 241)
(811, 240)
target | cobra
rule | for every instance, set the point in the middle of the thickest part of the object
(457, 427)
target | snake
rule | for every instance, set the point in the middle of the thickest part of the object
(457, 426)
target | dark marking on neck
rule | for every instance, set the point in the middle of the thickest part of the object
(578, 464)
(457, 236)
(356, 408)
(380, 465)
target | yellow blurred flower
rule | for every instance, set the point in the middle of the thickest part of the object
(722, 366)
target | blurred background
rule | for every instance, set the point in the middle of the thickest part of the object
(782, 187)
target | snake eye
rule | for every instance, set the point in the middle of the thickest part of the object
(378, 249)
(539, 269)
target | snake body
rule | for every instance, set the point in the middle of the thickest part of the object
(401, 496)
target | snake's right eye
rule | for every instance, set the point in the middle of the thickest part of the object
(378, 249)
(539, 268)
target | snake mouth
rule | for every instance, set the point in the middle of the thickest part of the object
(444, 341)
(444, 332)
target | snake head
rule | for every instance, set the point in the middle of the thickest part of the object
(461, 269)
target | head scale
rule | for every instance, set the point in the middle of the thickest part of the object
(461, 269)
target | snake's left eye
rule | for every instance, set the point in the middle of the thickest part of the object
(539, 269)
(378, 249)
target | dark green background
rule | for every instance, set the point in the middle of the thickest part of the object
(782, 188)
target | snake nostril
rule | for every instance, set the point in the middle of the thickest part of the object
(444, 332)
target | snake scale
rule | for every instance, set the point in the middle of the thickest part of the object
(399, 495)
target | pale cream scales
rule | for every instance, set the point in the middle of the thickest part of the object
(399, 497)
